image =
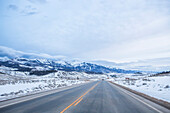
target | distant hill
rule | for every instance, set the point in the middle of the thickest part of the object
(45, 66)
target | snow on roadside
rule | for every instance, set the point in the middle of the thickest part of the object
(12, 86)
(158, 87)
(13, 90)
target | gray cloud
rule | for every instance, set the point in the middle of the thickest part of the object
(29, 10)
(38, 1)
(13, 7)
(31, 13)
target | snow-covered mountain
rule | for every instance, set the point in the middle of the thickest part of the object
(46, 66)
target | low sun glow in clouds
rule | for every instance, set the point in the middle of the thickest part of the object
(114, 30)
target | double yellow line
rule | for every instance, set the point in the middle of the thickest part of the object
(79, 99)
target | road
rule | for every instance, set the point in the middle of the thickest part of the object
(94, 97)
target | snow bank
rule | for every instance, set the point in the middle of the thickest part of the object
(158, 87)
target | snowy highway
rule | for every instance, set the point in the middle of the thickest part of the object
(93, 97)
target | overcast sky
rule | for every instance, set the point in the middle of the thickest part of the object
(113, 30)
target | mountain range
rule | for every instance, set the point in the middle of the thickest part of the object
(45, 66)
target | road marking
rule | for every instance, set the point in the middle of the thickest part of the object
(78, 101)
(141, 101)
(80, 98)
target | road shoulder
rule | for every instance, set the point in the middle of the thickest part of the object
(143, 97)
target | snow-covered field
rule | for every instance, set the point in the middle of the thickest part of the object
(29, 86)
(17, 84)
(158, 86)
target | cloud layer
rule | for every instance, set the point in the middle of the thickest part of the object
(113, 30)
(156, 65)
(11, 53)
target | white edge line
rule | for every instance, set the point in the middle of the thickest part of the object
(142, 101)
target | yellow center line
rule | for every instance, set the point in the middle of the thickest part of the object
(80, 98)
(78, 102)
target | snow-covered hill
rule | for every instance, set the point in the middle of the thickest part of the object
(46, 66)
(154, 85)
(17, 83)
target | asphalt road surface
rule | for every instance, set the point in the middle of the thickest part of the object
(94, 97)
